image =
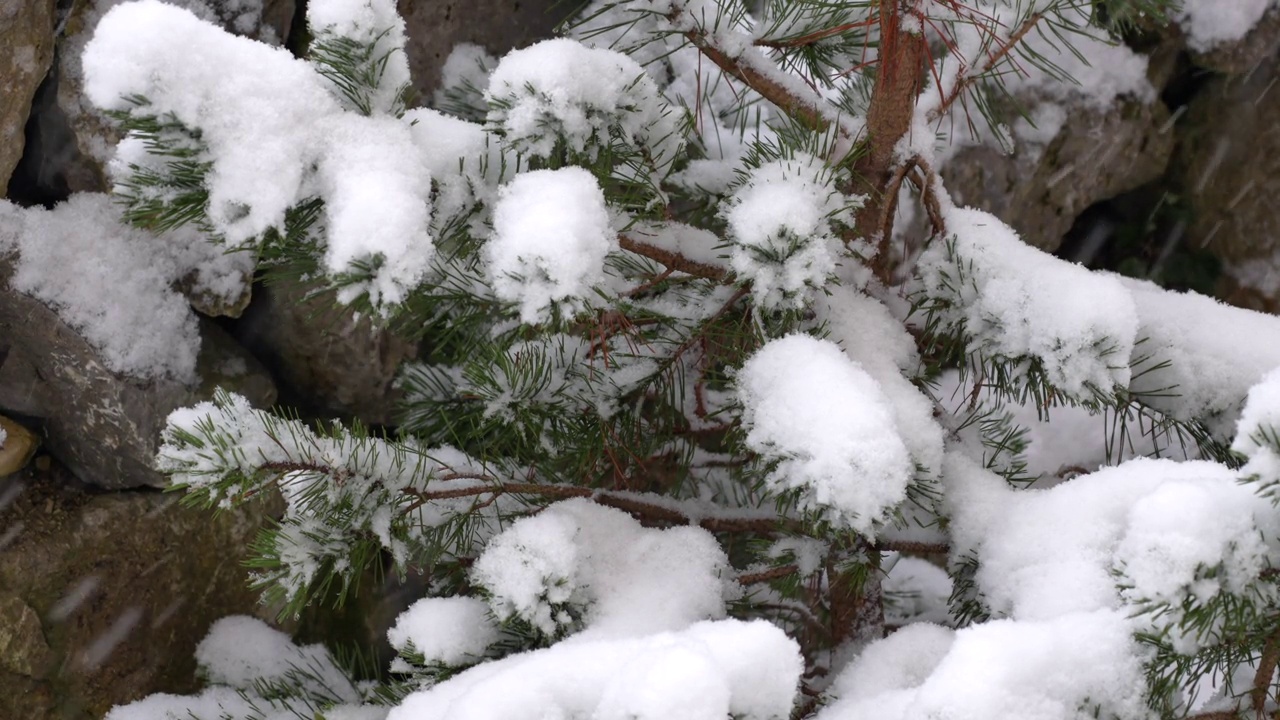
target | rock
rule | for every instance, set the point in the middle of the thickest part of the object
(16, 447)
(1094, 156)
(75, 140)
(103, 597)
(497, 25)
(1228, 168)
(1247, 53)
(23, 649)
(328, 362)
(105, 427)
(26, 34)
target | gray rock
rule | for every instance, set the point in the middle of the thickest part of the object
(1094, 157)
(111, 592)
(26, 34)
(327, 361)
(105, 427)
(497, 25)
(1247, 53)
(1228, 166)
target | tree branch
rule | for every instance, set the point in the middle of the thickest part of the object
(912, 546)
(767, 575)
(805, 111)
(966, 79)
(1266, 671)
(672, 260)
(815, 36)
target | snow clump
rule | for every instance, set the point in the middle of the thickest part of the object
(113, 283)
(1014, 301)
(581, 562)
(563, 91)
(781, 221)
(276, 136)
(708, 671)
(551, 234)
(829, 427)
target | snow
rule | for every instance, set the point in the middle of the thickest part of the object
(693, 243)
(780, 221)
(368, 22)
(1147, 538)
(563, 91)
(1001, 669)
(376, 192)
(1063, 65)
(1258, 431)
(114, 283)
(708, 671)
(551, 233)
(916, 591)
(901, 661)
(276, 136)
(448, 630)
(465, 164)
(241, 650)
(829, 427)
(1014, 301)
(372, 482)
(1200, 356)
(1070, 574)
(463, 80)
(1189, 542)
(580, 561)
(1210, 23)
(869, 333)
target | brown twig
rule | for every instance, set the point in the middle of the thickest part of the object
(928, 189)
(815, 36)
(767, 575)
(672, 260)
(891, 190)
(912, 546)
(966, 79)
(1266, 671)
(803, 110)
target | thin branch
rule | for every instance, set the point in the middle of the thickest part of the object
(913, 546)
(805, 111)
(928, 187)
(1266, 671)
(891, 191)
(965, 79)
(767, 575)
(673, 260)
(629, 503)
(815, 36)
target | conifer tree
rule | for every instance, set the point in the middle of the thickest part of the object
(709, 353)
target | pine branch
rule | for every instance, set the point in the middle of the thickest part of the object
(767, 575)
(1262, 679)
(965, 80)
(809, 112)
(673, 260)
(815, 36)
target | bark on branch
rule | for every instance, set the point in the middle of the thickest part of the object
(672, 260)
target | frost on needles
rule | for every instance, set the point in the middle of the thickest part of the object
(687, 418)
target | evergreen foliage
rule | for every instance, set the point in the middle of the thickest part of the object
(745, 204)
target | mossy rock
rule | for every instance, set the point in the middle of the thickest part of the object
(113, 591)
